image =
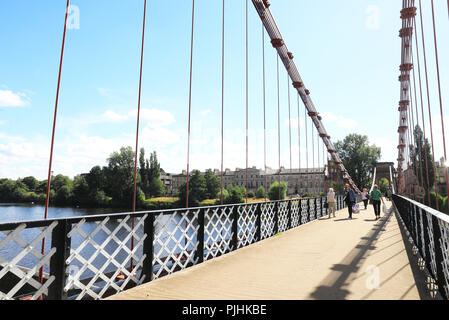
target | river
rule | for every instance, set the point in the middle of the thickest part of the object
(26, 212)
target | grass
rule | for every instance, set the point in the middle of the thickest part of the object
(163, 199)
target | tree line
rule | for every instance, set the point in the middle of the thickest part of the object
(110, 185)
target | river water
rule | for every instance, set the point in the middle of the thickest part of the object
(22, 212)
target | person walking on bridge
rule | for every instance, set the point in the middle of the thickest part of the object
(376, 195)
(349, 198)
(331, 202)
(365, 197)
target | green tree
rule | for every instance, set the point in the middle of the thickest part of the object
(260, 193)
(64, 196)
(359, 158)
(418, 156)
(144, 172)
(80, 191)
(60, 181)
(384, 185)
(156, 187)
(273, 192)
(31, 182)
(197, 190)
(338, 187)
(96, 178)
(212, 184)
(235, 195)
(120, 176)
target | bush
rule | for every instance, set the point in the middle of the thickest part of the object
(250, 194)
(274, 192)
(233, 195)
(433, 201)
(260, 193)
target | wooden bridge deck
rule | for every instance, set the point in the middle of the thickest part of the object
(332, 258)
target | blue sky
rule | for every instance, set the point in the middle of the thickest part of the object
(348, 53)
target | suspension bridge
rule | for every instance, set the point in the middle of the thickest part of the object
(285, 249)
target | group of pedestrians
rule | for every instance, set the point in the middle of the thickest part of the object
(350, 200)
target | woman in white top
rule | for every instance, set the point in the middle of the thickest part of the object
(331, 202)
(365, 197)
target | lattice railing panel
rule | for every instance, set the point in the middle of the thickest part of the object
(101, 256)
(294, 207)
(283, 216)
(319, 213)
(268, 219)
(433, 264)
(247, 225)
(444, 244)
(25, 244)
(312, 210)
(423, 242)
(175, 241)
(217, 231)
(304, 211)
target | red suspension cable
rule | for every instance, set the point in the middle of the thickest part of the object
(137, 129)
(190, 103)
(264, 113)
(247, 126)
(307, 149)
(47, 198)
(313, 155)
(299, 143)
(222, 95)
(439, 93)
(428, 105)
(279, 128)
(422, 116)
(289, 121)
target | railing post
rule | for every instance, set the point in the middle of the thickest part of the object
(259, 221)
(148, 248)
(300, 212)
(58, 267)
(235, 223)
(199, 254)
(315, 207)
(308, 210)
(276, 218)
(289, 214)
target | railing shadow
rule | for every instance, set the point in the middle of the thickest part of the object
(418, 275)
(334, 290)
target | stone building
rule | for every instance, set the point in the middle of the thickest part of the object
(299, 181)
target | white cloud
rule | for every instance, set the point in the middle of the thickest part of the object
(11, 99)
(342, 122)
(112, 116)
(154, 118)
(206, 112)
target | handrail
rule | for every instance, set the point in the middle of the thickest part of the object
(438, 214)
(428, 230)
